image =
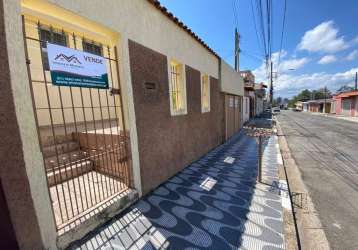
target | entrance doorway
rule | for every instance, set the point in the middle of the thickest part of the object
(232, 114)
(81, 130)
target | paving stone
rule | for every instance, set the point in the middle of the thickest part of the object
(233, 212)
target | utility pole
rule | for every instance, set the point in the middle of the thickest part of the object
(271, 85)
(325, 99)
(237, 49)
(356, 86)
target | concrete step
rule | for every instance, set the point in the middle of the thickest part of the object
(49, 140)
(62, 148)
(68, 172)
(64, 159)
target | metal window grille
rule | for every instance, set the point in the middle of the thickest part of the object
(48, 34)
(81, 131)
(176, 88)
(92, 47)
(205, 93)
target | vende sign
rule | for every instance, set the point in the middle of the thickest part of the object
(70, 67)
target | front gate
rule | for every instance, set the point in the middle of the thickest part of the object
(81, 130)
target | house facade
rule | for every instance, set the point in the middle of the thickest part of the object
(249, 106)
(319, 106)
(346, 103)
(260, 97)
(86, 150)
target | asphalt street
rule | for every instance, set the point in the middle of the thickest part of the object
(326, 152)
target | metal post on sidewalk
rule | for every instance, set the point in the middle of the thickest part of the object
(259, 134)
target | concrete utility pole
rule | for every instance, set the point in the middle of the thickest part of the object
(325, 99)
(271, 85)
(237, 50)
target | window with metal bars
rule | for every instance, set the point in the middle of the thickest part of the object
(205, 93)
(92, 47)
(49, 35)
(177, 89)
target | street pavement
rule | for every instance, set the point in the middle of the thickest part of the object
(214, 203)
(326, 152)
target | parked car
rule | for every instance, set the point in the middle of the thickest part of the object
(276, 110)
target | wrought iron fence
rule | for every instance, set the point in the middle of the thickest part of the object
(81, 130)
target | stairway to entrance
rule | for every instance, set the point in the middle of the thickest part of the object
(64, 159)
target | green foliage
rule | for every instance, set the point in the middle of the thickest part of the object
(306, 95)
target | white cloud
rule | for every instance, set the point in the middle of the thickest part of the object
(355, 40)
(286, 64)
(323, 38)
(289, 83)
(327, 59)
(293, 64)
(352, 56)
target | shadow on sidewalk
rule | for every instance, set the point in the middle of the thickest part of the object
(209, 205)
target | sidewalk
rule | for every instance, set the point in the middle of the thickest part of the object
(342, 117)
(211, 204)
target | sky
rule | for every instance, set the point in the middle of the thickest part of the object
(320, 41)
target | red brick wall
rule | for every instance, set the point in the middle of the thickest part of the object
(169, 143)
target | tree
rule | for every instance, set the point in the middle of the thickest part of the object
(345, 88)
(305, 95)
(321, 93)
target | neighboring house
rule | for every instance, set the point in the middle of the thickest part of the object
(233, 88)
(320, 106)
(78, 148)
(249, 85)
(260, 95)
(299, 105)
(346, 103)
(305, 107)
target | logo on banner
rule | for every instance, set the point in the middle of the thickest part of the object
(70, 59)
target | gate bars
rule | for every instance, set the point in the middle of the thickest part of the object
(84, 147)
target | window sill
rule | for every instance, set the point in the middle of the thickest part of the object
(205, 111)
(179, 112)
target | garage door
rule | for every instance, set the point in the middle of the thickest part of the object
(346, 107)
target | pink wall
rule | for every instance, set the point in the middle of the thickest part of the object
(338, 104)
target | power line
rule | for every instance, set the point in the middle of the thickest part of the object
(236, 19)
(282, 33)
(262, 26)
(259, 40)
(258, 58)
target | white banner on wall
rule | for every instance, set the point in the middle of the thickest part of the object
(70, 67)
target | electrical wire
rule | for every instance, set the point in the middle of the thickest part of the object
(282, 34)
(259, 38)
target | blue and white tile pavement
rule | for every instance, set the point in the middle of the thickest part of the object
(209, 205)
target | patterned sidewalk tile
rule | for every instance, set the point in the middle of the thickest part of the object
(211, 204)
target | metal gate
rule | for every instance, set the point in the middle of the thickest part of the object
(81, 130)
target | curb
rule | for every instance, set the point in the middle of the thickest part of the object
(308, 227)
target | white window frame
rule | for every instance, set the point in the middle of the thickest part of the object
(204, 109)
(184, 110)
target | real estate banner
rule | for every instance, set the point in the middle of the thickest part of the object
(70, 67)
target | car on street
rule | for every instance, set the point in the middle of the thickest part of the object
(276, 110)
